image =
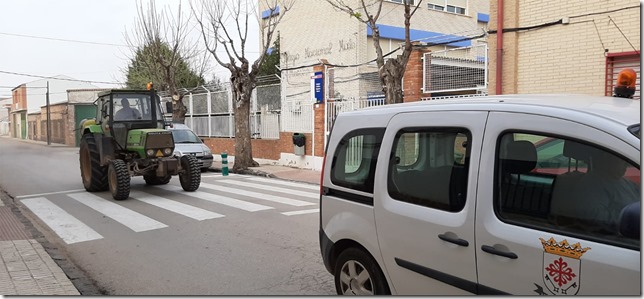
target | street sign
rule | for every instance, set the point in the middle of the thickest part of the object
(317, 87)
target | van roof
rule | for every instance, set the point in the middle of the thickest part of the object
(620, 110)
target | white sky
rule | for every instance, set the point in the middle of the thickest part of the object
(103, 21)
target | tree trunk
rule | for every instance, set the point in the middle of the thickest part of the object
(179, 110)
(391, 78)
(242, 90)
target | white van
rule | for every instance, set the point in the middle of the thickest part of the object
(516, 194)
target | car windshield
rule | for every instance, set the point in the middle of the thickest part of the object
(185, 136)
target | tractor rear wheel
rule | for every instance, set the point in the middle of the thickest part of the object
(156, 180)
(93, 174)
(190, 175)
(119, 179)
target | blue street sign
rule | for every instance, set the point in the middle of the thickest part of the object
(318, 87)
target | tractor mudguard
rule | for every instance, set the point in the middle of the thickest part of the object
(106, 148)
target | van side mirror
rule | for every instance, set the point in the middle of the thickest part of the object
(629, 224)
(168, 107)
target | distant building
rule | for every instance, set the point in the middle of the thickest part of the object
(29, 97)
(5, 125)
(570, 48)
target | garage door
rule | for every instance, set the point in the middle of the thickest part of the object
(81, 112)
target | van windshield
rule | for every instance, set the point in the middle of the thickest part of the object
(185, 136)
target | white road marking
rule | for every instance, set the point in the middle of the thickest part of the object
(135, 221)
(173, 206)
(219, 175)
(301, 212)
(231, 202)
(66, 226)
(286, 183)
(273, 198)
(50, 193)
(271, 188)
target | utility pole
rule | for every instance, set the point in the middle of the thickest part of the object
(48, 117)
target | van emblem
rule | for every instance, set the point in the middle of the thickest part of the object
(562, 266)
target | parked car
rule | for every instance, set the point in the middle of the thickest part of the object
(510, 194)
(186, 142)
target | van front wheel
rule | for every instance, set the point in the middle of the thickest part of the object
(357, 273)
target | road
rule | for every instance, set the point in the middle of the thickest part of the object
(237, 235)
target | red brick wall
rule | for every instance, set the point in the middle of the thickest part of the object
(318, 124)
(413, 80)
(19, 96)
(262, 148)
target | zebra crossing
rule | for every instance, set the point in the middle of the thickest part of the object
(218, 197)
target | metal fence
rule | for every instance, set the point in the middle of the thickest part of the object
(211, 114)
(456, 70)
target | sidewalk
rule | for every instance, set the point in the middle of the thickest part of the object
(25, 267)
(280, 172)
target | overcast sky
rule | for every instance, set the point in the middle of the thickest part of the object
(102, 22)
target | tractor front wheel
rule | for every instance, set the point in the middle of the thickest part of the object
(119, 179)
(93, 174)
(190, 175)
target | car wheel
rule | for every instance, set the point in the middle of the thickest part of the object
(357, 273)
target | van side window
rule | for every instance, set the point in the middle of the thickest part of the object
(568, 187)
(354, 161)
(429, 166)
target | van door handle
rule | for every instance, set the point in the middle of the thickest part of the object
(492, 250)
(457, 241)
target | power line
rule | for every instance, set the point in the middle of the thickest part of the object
(53, 77)
(63, 40)
(624, 35)
(89, 42)
(605, 12)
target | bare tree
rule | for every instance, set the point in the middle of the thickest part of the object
(162, 37)
(224, 28)
(392, 70)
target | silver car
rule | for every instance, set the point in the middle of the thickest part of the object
(186, 142)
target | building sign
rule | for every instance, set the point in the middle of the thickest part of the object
(317, 87)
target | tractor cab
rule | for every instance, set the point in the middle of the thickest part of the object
(119, 111)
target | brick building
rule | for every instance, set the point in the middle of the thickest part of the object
(313, 30)
(29, 98)
(573, 48)
(65, 117)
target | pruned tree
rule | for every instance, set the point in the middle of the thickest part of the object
(163, 37)
(390, 71)
(225, 31)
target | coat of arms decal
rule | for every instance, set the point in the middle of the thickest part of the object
(562, 266)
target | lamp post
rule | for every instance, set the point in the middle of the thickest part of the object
(48, 117)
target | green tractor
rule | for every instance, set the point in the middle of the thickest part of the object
(127, 138)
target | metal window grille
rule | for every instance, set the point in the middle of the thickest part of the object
(456, 70)
(616, 62)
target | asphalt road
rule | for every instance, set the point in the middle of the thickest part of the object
(272, 250)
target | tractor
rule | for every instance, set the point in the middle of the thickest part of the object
(128, 138)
